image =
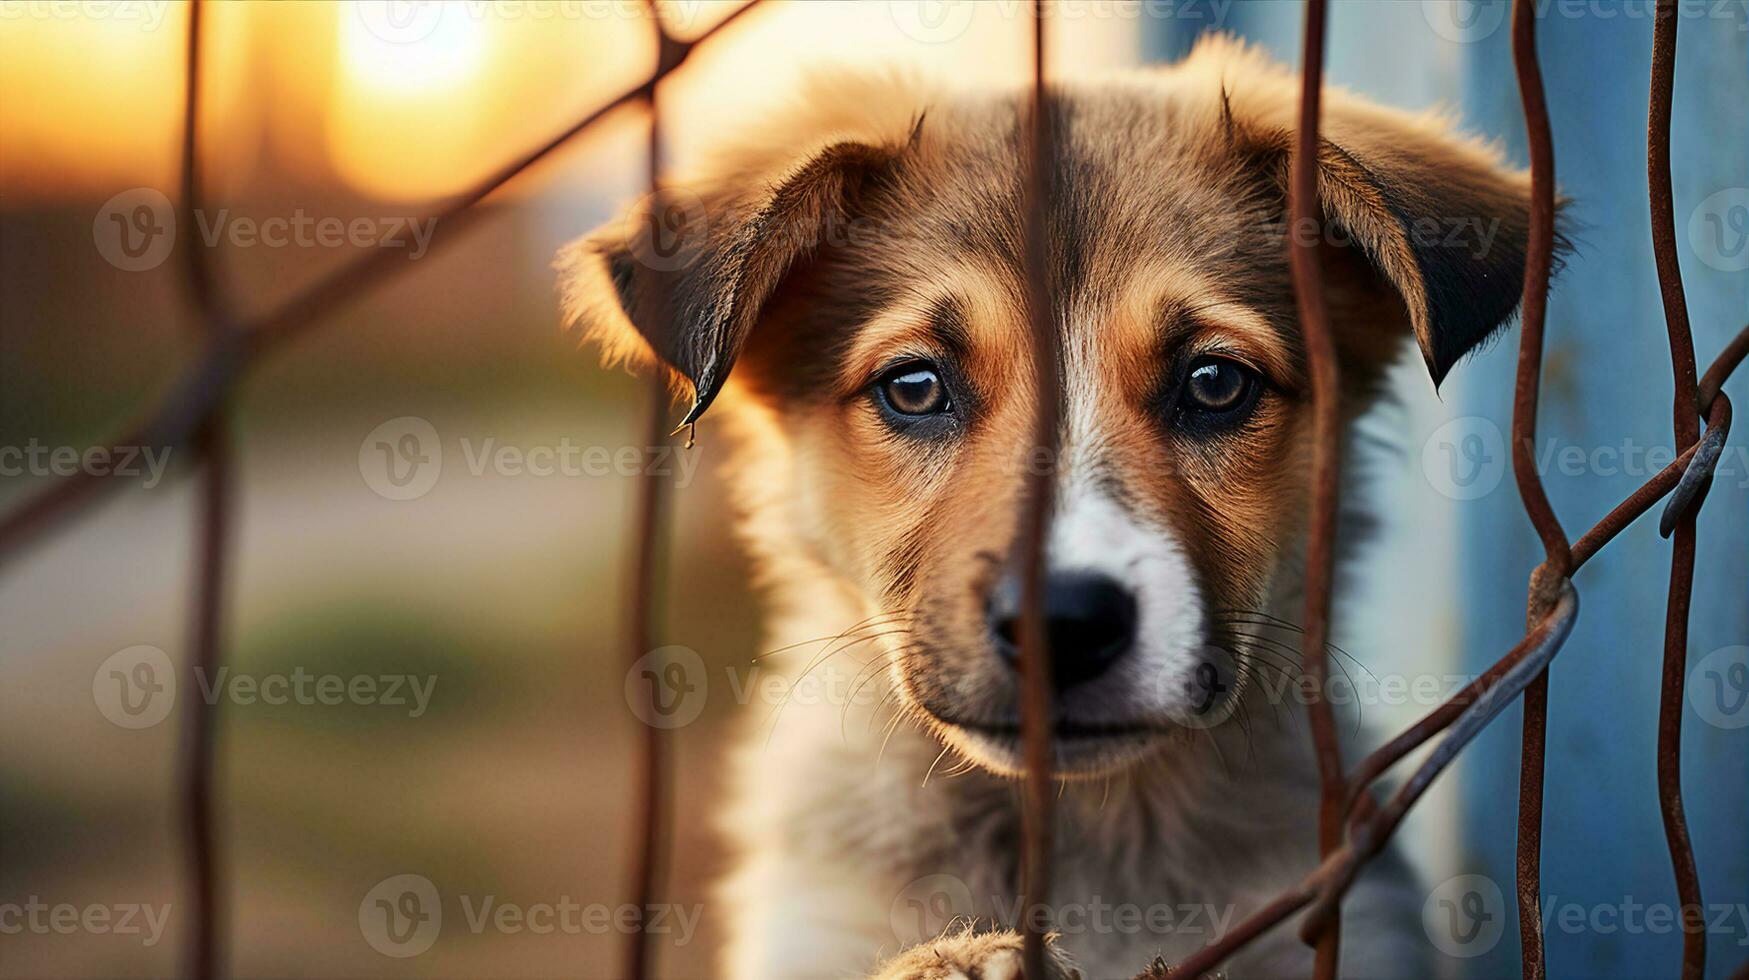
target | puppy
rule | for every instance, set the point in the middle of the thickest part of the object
(848, 287)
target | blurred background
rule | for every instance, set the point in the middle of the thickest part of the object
(479, 577)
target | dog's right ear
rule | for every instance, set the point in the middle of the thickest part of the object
(685, 273)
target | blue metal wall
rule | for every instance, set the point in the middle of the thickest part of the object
(1606, 401)
(1609, 380)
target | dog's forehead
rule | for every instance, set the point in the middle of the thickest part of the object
(1136, 183)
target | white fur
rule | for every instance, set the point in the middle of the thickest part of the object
(833, 819)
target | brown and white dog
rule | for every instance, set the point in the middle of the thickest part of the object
(848, 288)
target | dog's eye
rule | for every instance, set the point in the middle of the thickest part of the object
(1217, 391)
(914, 389)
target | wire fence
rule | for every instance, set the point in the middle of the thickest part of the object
(1354, 824)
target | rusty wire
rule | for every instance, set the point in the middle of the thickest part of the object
(1553, 603)
(194, 395)
(198, 762)
(651, 794)
(1326, 387)
(1686, 423)
(1547, 578)
(194, 413)
(1036, 719)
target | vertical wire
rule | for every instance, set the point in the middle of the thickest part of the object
(1326, 383)
(212, 450)
(1035, 660)
(1557, 562)
(1687, 431)
(200, 718)
(651, 796)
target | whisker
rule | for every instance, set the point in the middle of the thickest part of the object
(1278, 644)
(1215, 744)
(886, 619)
(820, 661)
(944, 750)
(1261, 618)
(892, 727)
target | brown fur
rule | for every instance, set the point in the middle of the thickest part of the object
(878, 222)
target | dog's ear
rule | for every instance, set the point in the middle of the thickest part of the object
(685, 273)
(1438, 219)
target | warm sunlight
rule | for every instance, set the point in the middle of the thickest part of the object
(410, 101)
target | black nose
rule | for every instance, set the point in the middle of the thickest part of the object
(1089, 618)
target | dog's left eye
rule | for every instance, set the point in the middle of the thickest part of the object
(914, 389)
(1217, 391)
